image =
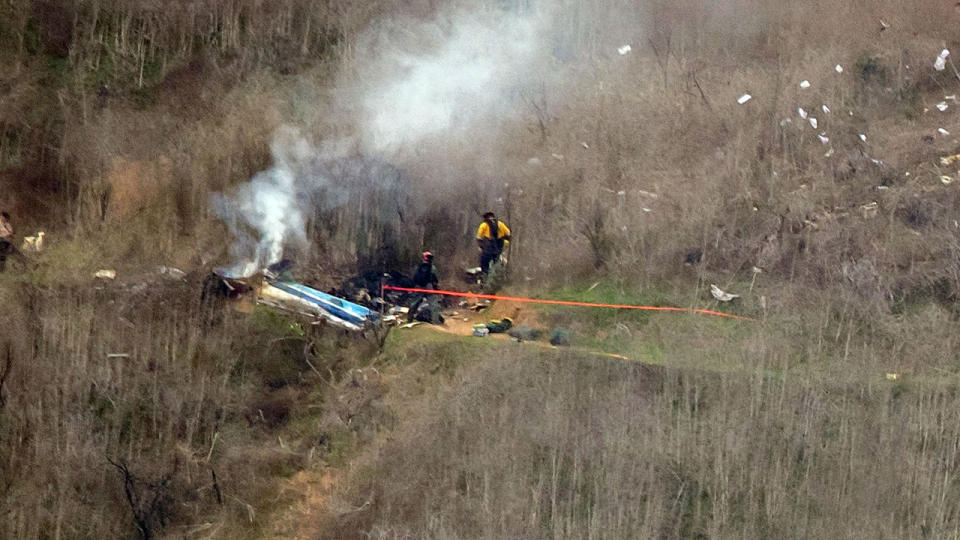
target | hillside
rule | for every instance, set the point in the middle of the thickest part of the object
(801, 155)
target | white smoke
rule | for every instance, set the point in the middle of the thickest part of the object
(435, 79)
(272, 204)
(473, 65)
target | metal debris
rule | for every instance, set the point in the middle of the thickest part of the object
(869, 210)
(941, 63)
(105, 274)
(720, 295)
(744, 98)
(949, 160)
(804, 84)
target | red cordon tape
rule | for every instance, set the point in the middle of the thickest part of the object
(566, 302)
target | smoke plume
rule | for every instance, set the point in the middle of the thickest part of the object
(411, 83)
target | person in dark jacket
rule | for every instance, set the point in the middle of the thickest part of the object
(425, 277)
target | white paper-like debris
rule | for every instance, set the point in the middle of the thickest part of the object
(863, 137)
(906, 173)
(804, 84)
(744, 98)
(943, 131)
(721, 295)
(882, 188)
(624, 50)
(645, 209)
(823, 138)
(952, 97)
(941, 62)
(557, 156)
(813, 122)
(838, 68)
(877, 162)
(946, 179)
(942, 106)
(802, 113)
(826, 110)
(829, 153)
(585, 145)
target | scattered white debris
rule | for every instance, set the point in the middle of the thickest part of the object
(946, 180)
(813, 122)
(624, 50)
(877, 162)
(863, 137)
(621, 193)
(941, 63)
(533, 161)
(645, 209)
(826, 110)
(585, 145)
(942, 106)
(869, 210)
(952, 97)
(823, 138)
(33, 243)
(785, 121)
(118, 355)
(172, 272)
(805, 84)
(647, 194)
(744, 98)
(838, 68)
(829, 153)
(721, 295)
(906, 173)
(106, 274)
(802, 113)
(883, 188)
(558, 157)
(883, 25)
(943, 131)
(893, 376)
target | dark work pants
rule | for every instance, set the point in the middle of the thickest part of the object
(486, 259)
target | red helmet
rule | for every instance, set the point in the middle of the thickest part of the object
(427, 256)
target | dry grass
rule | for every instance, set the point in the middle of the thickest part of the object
(119, 119)
(535, 445)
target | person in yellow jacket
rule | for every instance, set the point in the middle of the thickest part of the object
(492, 236)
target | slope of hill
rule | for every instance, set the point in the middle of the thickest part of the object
(353, 137)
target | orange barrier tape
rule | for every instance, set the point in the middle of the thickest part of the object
(566, 302)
